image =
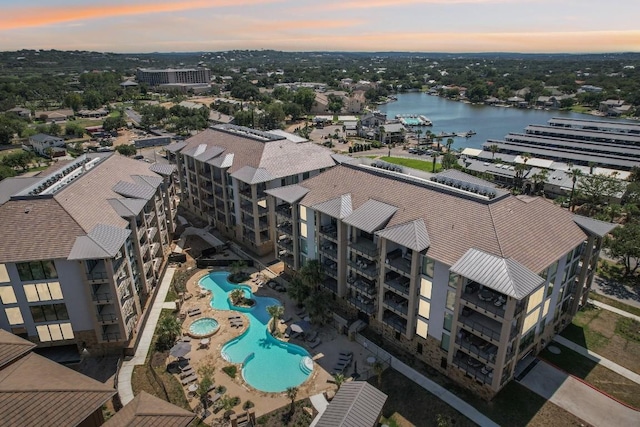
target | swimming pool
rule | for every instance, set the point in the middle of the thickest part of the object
(204, 327)
(268, 364)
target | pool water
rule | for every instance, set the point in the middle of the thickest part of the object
(269, 364)
(203, 327)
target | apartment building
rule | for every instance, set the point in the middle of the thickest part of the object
(225, 170)
(157, 77)
(462, 275)
(84, 248)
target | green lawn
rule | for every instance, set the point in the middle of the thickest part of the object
(580, 109)
(615, 303)
(5, 153)
(422, 165)
(598, 376)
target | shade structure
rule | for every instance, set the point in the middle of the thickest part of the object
(296, 328)
(301, 326)
(181, 349)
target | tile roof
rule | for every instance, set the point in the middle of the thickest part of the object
(504, 275)
(356, 404)
(12, 347)
(290, 193)
(37, 229)
(278, 156)
(148, 410)
(36, 391)
(371, 215)
(339, 207)
(534, 233)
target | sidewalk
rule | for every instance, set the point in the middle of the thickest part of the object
(614, 310)
(126, 371)
(599, 359)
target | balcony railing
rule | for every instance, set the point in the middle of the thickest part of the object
(399, 284)
(478, 347)
(286, 228)
(152, 232)
(288, 259)
(286, 244)
(329, 232)
(482, 327)
(487, 306)
(363, 304)
(363, 288)
(400, 265)
(107, 319)
(284, 211)
(330, 284)
(103, 297)
(111, 336)
(396, 307)
(367, 269)
(395, 321)
(98, 277)
(365, 247)
(462, 362)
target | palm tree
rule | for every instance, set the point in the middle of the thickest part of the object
(449, 144)
(439, 141)
(574, 174)
(494, 149)
(378, 368)
(237, 270)
(319, 307)
(169, 329)
(526, 157)
(539, 179)
(434, 155)
(382, 132)
(298, 290)
(312, 273)
(292, 393)
(419, 133)
(339, 379)
(592, 165)
(519, 169)
(276, 312)
(237, 295)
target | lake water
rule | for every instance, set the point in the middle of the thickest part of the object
(454, 117)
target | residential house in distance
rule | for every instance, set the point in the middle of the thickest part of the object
(24, 113)
(35, 391)
(43, 144)
(89, 241)
(53, 116)
(614, 107)
(461, 275)
(225, 170)
(157, 77)
(351, 103)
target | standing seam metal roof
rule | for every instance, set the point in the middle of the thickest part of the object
(290, 193)
(340, 207)
(356, 404)
(371, 215)
(412, 235)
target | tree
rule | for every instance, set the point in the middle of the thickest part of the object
(494, 149)
(574, 174)
(312, 273)
(113, 123)
(6, 172)
(275, 311)
(237, 271)
(339, 380)
(539, 180)
(292, 393)
(127, 150)
(20, 159)
(319, 307)
(434, 156)
(54, 129)
(298, 290)
(206, 382)
(597, 189)
(449, 144)
(449, 160)
(73, 101)
(623, 244)
(335, 103)
(305, 97)
(236, 296)
(73, 129)
(92, 99)
(169, 329)
(378, 369)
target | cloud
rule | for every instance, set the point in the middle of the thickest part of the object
(370, 4)
(21, 17)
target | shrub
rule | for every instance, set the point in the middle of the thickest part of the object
(248, 404)
(230, 370)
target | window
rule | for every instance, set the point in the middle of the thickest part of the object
(424, 309)
(448, 321)
(14, 315)
(453, 280)
(419, 348)
(303, 229)
(303, 245)
(7, 295)
(36, 270)
(43, 292)
(428, 265)
(451, 299)
(422, 328)
(305, 175)
(56, 332)
(303, 213)
(425, 288)
(49, 312)
(4, 275)
(444, 343)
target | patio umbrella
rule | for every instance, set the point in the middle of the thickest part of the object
(180, 350)
(296, 328)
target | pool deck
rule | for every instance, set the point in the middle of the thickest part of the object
(325, 355)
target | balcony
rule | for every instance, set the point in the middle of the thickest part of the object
(95, 277)
(331, 268)
(367, 289)
(247, 221)
(473, 368)
(363, 304)
(399, 264)
(284, 211)
(330, 249)
(365, 268)
(329, 232)
(246, 193)
(286, 244)
(365, 247)
(397, 283)
(152, 232)
(111, 336)
(288, 259)
(484, 301)
(149, 215)
(246, 206)
(208, 201)
(147, 267)
(396, 304)
(103, 297)
(331, 284)
(482, 326)
(286, 228)
(477, 347)
(395, 321)
(155, 248)
(107, 319)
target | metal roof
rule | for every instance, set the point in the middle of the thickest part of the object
(11, 186)
(175, 146)
(164, 169)
(594, 226)
(412, 235)
(605, 136)
(225, 161)
(290, 193)
(341, 158)
(127, 208)
(209, 153)
(600, 124)
(251, 175)
(340, 207)
(356, 404)
(104, 241)
(504, 275)
(371, 215)
(135, 191)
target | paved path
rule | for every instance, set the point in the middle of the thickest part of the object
(599, 359)
(614, 310)
(434, 388)
(578, 398)
(320, 403)
(126, 370)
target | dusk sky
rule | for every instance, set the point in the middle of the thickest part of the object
(331, 25)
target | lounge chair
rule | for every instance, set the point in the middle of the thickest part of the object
(194, 312)
(189, 379)
(186, 367)
(300, 312)
(315, 343)
(343, 359)
(295, 335)
(339, 368)
(234, 317)
(285, 320)
(312, 336)
(213, 399)
(346, 353)
(187, 373)
(185, 338)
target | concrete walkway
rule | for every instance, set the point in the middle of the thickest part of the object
(126, 370)
(598, 359)
(432, 387)
(320, 403)
(614, 310)
(578, 398)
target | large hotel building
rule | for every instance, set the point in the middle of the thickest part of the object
(84, 247)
